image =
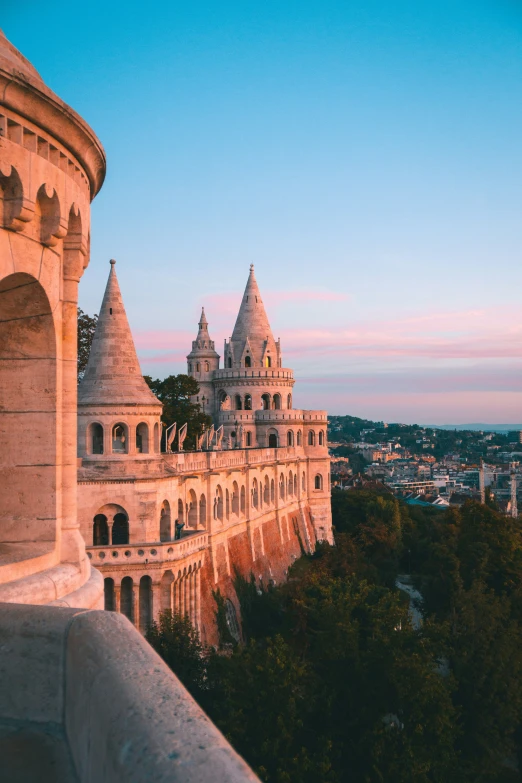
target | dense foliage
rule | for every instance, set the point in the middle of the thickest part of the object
(333, 683)
(86, 328)
(175, 392)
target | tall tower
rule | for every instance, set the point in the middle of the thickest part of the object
(514, 505)
(117, 412)
(51, 167)
(202, 362)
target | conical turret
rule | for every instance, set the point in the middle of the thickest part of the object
(113, 374)
(203, 346)
(252, 343)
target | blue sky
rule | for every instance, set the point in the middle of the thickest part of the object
(365, 155)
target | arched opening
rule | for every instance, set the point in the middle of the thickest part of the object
(311, 438)
(120, 439)
(272, 491)
(229, 362)
(239, 402)
(165, 522)
(231, 619)
(265, 402)
(276, 402)
(266, 492)
(321, 438)
(192, 510)
(142, 438)
(248, 361)
(295, 484)
(227, 504)
(96, 438)
(198, 368)
(299, 438)
(207, 367)
(218, 503)
(145, 602)
(127, 598)
(28, 405)
(282, 487)
(47, 216)
(109, 597)
(268, 361)
(290, 490)
(100, 531)
(289, 401)
(248, 402)
(243, 500)
(224, 400)
(248, 438)
(181, 514)
(255, 494)
(120, 529)
(318, 481)
(289, 438)
(272, 440)
(11, 198)
(156, 438)
(303, 481)
(166, 591)
(203, 512)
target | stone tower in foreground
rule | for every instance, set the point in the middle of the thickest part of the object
(51, 167)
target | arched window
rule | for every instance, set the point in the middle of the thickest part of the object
(198, 367)
(224, 401)
(289, 401)
(268, 361)
(156, 438)
(190, 367)
(321, 438)
(235, 499)
(248, 361)
(272, 440)
(299, 437)
(248, 402)
(96, 438)
(265, 402)
(282, 487)
(120, 439)
(192, 510)
(289, 438)
(207, 366)
(318, 481)
(108, 588)
(295, 484)
(249, 439)
(120, 529)
(229, 362)
(290, 484)
(165, 522)
(266, 492)
(239, 402)
(203, 512)
(311, 438)
(243, 500)
(231, 619)
(181, 514)
(255, 494)
(142, 438)
(227, 504)
(276, 402)
(145, 602)
(100, 531)
(127, 598)
(218, 503)
(272, 491)
(303, 481)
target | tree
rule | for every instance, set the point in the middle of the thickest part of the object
(175, 392)
(178, 643)
(86, 329)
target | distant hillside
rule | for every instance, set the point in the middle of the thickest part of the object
(477, 426)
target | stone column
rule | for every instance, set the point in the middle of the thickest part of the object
(156, 601)
(136, 605)
(198, 599)
(192, 597)
(117, 598)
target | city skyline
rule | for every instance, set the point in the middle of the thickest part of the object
(366, 159)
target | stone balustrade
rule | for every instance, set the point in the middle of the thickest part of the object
(85, 699)
(282, 373)
(164, 552)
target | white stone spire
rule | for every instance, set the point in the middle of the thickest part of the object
(252, 335)
(113, 374)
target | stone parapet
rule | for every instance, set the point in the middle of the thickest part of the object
(141, 554)
(94, 703)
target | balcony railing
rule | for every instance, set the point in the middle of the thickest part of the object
(163, 552)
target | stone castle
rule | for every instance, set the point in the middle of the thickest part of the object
(88, 501)
(254, 496)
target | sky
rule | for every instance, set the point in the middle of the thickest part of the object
(365, 155)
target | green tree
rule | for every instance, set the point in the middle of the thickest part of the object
(175, 392)
(86, 329)
(177, 642)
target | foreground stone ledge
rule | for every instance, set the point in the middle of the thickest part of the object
(123, 714)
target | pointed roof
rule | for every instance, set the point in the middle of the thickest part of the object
(203, 346)
(252, 324)
(113, 374)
